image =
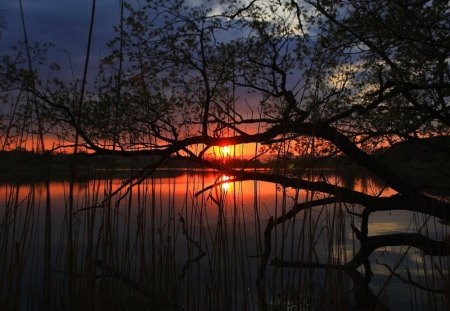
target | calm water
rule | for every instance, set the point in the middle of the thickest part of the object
(164, 244)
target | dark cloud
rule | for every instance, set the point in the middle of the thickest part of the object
(64, 23)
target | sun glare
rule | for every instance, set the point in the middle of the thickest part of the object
(225, 185)
(225, 150)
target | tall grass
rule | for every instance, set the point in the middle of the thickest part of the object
(163, 246)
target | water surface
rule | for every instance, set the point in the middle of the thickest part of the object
(167, 244)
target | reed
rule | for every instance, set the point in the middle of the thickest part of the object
(163, 246)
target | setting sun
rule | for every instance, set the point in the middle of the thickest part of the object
(225, 150)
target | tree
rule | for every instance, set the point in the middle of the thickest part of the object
(351, 75)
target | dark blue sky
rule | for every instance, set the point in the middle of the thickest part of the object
(64, 23)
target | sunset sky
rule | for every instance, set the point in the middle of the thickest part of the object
(65, 23)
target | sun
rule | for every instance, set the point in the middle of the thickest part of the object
(225, 150)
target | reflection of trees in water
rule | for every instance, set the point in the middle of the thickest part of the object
(364, 296)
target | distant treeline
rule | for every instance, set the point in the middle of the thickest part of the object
(12, 159)
(424, 162)
(22, 165)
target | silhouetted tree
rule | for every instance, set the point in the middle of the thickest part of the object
(348, 76)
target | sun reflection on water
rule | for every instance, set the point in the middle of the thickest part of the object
(226, 185)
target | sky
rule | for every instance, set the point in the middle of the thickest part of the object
(64, 23)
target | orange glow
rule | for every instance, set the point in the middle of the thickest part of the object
(235, 151)
(241, 151)
(59, 146)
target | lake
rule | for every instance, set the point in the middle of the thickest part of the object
(166, 244)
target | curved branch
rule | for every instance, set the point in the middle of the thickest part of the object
(414, 203)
